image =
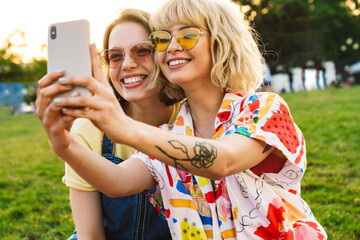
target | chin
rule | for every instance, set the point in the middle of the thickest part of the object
(132, 97)
(137, 96)
(178, 80)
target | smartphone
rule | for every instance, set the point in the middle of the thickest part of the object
(69, 49)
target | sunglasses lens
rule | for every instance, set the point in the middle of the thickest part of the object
(160, 40)
(187, 38)
(113, 57)
(141, 52)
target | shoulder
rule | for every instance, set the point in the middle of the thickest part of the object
(89, 135)
(232, 99)
(264, 96)
(235, 105)
(83, 124)
(262, 103)
(261, 108)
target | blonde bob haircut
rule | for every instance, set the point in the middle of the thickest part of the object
(169, 93)
(236, 58)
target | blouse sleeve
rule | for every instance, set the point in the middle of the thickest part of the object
(155, 167)
(266, 117)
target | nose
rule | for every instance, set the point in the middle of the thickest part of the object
(174, 45)
(128, 63)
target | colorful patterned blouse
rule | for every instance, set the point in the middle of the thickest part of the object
(245, 205)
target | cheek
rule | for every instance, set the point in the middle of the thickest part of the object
(206, 59)
(207, 53)
(113, 73)
(149, 66)
(160, 58)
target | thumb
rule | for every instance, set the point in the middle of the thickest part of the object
(99, 74)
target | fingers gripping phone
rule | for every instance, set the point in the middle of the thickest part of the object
(69, 49)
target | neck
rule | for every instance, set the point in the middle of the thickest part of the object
(149, 111)
(204, 104)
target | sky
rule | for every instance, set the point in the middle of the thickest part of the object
(35, 16)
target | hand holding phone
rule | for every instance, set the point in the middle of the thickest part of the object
(69, 49)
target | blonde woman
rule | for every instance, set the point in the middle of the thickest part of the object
(232, 165)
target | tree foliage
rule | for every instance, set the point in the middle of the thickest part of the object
(305, 33)
(12, 68)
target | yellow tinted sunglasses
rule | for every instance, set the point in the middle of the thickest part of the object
(187, 39)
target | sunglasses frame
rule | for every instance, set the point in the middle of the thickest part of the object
(176, 37)
(103, 54)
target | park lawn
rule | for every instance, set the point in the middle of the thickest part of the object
(330, 121)
(34, 203)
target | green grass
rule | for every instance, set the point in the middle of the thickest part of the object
(34, 203)
(330, 121)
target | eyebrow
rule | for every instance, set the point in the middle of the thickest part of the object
(189, 26)
(183, 27)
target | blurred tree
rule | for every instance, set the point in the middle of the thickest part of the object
(305, 33)
(12, 69)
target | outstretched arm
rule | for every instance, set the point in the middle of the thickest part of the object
(204, 157)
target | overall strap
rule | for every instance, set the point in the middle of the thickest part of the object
(107, 147)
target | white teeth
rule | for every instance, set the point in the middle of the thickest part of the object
(177, 62)
(133, 80)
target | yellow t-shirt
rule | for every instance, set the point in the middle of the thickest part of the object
(91, 137)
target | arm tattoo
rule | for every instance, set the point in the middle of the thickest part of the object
(204, 154)
(267, 147)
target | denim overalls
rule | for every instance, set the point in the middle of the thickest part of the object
(132, 217)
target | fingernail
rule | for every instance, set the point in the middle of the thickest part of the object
(60, 70)
(64, 109)
(74, 94)
(61, 79)
(57, 100)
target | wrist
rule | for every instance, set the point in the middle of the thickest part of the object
(62, 150)
(124, 133)
(134, 135)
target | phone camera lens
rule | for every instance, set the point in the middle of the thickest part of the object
(53, 32)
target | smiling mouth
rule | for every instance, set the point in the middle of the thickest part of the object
(178, 62)
(133, 80)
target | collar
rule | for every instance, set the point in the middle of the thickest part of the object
(227, 108)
